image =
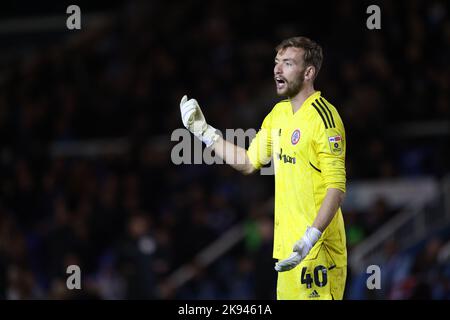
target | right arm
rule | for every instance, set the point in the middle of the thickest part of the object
(233, 155)
(247, 162)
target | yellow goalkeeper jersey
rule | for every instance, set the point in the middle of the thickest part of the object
(308, 151)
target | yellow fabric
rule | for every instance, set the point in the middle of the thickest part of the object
(299, 187)
(313, 279)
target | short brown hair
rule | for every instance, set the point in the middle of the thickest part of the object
(313, 52)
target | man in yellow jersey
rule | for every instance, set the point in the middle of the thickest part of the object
(305, 136)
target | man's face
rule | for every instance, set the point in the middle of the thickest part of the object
(289, 71)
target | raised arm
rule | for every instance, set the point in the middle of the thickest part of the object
(194, 120)
(233, 155)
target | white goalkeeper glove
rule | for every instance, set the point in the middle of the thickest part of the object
(301, 250)
(194, 120)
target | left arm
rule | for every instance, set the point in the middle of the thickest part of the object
(330, 205)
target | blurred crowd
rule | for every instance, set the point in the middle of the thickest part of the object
(129, 220)
(419, 270)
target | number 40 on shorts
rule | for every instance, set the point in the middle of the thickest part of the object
(319, 277)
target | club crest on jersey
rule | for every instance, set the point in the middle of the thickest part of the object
(335, 144)
(295, 138)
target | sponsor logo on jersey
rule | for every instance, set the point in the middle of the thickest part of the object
(286, 158)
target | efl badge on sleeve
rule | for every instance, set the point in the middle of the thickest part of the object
(295, 137)
(335, 144)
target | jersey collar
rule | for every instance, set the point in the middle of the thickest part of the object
(307, 102)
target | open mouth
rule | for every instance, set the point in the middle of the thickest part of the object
(280, 82)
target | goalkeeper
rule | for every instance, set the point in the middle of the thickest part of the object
(305, 137)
